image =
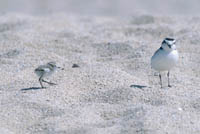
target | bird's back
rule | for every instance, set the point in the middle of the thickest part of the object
(43, 70)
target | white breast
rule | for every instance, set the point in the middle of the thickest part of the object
(163, 60)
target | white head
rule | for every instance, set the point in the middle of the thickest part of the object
(168, 44)
(53, 65)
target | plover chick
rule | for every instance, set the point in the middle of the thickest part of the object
(165, 58)
(46, 70)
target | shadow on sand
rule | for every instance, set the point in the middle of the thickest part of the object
(31, 88)
(138, 86)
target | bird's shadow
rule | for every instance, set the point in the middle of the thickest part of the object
(138, 86)
(31, 88)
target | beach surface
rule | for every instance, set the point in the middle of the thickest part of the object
(113, 90)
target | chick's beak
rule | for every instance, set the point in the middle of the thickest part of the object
(60, 68)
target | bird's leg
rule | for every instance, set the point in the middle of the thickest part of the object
(50, 83)
(168, 80)
(160, 79)
(40, 80)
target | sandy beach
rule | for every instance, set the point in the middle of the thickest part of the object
(114, 90)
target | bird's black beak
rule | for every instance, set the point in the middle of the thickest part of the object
(169, 46)
(60, 68)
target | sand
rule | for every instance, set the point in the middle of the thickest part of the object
(113, 91)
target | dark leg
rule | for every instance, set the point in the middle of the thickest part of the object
(168, 80)
(160, 79)
(50, 83)
(40, 80)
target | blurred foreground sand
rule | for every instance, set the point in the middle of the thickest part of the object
(114, 91)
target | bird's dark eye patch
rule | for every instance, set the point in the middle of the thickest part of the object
(169, 46)
(164, 41)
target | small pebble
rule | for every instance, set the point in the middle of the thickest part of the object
(75, 66)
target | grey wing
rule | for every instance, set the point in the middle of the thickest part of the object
(160, 49)
(156, 56)
(157, 53)
(39, 70)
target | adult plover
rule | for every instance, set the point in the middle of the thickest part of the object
(46, 70)
(165, 58)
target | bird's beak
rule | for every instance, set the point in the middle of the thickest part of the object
(60, 68)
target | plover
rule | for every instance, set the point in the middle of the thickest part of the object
(46, 70)
(165, 58)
